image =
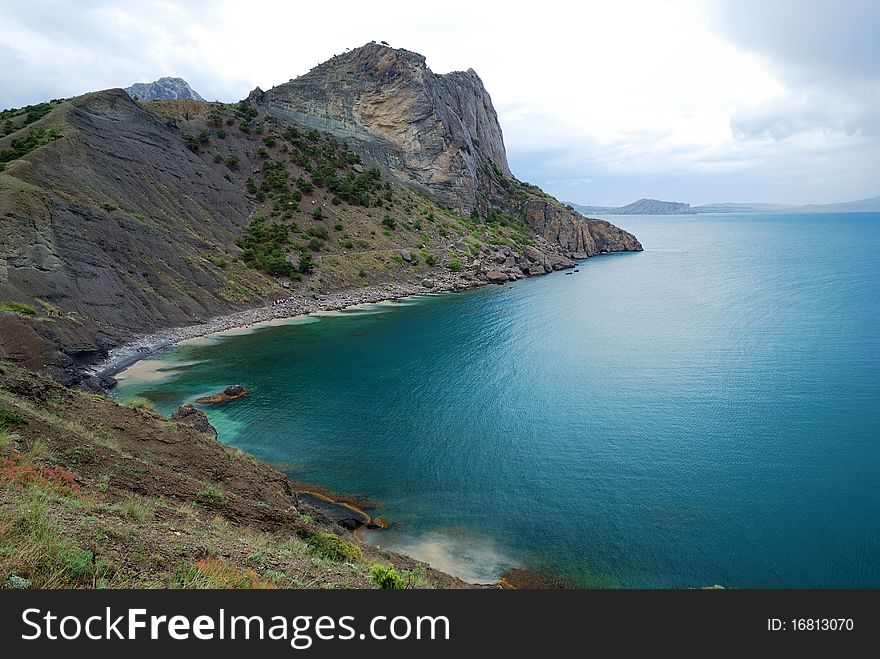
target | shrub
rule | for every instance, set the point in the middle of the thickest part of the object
(212, 492)
(316, 244)
(389, 222)
(23, 145)
(8, 418)
(264, 247)
(454, 265)
(335, 200)
(333, 548)
(318, 213)
(232, 161)
(386, 578)
(306, 263)
(141, 403)
(318, 231)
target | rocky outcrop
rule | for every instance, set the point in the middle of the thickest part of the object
(190, 416)
(577, 236)
(163, 89)
(438, 132)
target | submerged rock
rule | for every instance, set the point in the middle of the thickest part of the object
(231, 393)
(190, 416)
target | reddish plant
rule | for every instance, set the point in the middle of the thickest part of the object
(14, 470)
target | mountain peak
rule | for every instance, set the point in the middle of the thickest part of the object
(438, 132)
(163, 89)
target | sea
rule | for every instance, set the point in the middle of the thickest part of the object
(706, 412)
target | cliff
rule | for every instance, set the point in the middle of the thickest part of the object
(163, 89)
(438, 132)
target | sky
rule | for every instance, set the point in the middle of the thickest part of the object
(601, 103)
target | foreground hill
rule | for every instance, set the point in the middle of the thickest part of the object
(121, 218)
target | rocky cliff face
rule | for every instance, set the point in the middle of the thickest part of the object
(578, 237)
(163, 89)
(438, 132)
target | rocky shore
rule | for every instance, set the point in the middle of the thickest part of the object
(298, 304)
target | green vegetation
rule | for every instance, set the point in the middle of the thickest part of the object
(194, 142)
(8, 418)
(265, 245)
(211, 492)
(137, 508)
(16, 118)
(141, 403)
(22, 146)
(333, 548)
(306, 264)
(386, 578)
(318, 231)
(17, 307)
(454, 264)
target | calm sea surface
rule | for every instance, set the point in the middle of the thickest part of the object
(705, 412)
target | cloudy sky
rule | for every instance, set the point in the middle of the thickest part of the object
(601, 102)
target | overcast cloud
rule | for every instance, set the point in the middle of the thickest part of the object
(600, 102)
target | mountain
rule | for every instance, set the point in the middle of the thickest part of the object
(163, 89)
(640, 207)
(439, 132)
(742, 208)
(870, 205)
(121, 218)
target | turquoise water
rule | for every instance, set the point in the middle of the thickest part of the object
(705, 412)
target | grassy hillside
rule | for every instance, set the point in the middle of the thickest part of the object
(94, 494)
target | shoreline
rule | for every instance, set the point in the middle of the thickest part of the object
(299, 304)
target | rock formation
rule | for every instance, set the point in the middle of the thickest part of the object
(163, 89)
(190, 416)
(439, 132)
